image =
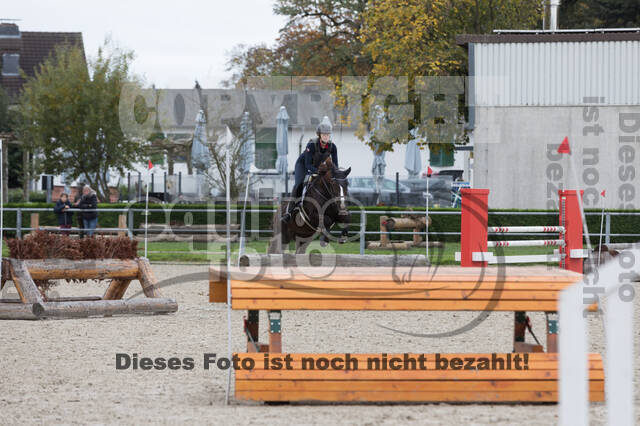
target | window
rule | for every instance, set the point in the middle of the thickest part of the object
(266, 151)
(10, 64)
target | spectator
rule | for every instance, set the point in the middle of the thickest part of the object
(89, 202)
(65, 217)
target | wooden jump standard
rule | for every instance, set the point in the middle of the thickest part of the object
(276, 289)
(33, 306)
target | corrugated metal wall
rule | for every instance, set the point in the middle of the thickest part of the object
(560, 73)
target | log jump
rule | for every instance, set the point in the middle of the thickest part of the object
(32, 305)
(413, 222)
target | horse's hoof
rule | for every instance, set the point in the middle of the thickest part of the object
(323, 243)
(342, 240)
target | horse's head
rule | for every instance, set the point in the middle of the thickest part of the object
(337, 183)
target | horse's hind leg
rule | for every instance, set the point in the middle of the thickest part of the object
(301, 245)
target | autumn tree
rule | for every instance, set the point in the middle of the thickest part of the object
(320, 38)
(416, 38)
(69, 116)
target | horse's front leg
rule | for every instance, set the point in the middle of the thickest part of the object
(344, 235)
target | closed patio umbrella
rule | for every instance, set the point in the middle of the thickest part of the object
(412, 161)
(200, 156)
(282, 142)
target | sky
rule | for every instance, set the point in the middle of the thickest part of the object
(175, 42)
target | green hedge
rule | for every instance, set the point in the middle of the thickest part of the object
(177, 214)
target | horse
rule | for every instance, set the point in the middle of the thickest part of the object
(323, 206)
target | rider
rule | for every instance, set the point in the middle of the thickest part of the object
(306, 163)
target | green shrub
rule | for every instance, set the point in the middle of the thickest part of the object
(16, 195)
(37, 197)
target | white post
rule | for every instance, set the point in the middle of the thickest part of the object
(146, 214)
(572, 345)
(1, 204)
(619, 360)
(243, 221)
(228, 199)
(601, 224)
(426, 221)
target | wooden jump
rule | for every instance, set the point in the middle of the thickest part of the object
(538, 383)
(121, 272)
(276, 289)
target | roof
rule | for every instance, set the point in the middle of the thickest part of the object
(631, 34)
(34, 47)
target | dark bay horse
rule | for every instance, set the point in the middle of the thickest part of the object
(323, 206)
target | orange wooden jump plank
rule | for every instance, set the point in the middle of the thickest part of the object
(393, 305)
(445, 273)
(535, 358)
(394, 294)
(392, 285)
(363, 374)
(410, 396)
(406, 385)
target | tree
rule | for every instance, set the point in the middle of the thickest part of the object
(599, 14)
(69, 115)
(416, 38)
(5, 117)
(321, 38)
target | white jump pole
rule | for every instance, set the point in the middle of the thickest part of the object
(146, 208)
(228, 199)
(601, 224)
(1, 204)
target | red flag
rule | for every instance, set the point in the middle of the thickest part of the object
(564, 146)
(603, 192)
(429, 171)
(150, 165)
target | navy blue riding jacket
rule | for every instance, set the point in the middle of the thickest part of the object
(314, 146)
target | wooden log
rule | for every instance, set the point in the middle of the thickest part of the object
(147, 279)
(122, 223)
(397, 245)
(340, 260)
(17, 311)
(104, 307)
(393, 223)
(82, 269)
(56, 269)
(58, 299)
(384, 237)
(116, 289)
(35, 221)
(23, 282)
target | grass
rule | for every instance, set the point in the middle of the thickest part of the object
(216, 252)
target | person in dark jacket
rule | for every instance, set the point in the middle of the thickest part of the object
(307, 162)
(89, 202)
(65, 217)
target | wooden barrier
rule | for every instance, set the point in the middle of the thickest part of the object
(276, 289)
(387, 224)
(538, 383)
(33, 306)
